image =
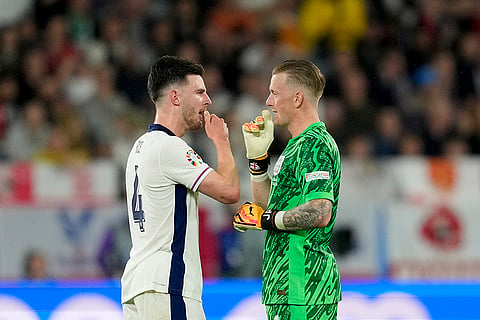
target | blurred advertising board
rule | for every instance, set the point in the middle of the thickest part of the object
(35, 184)
(240, 300)
(399, 218)
(74, 240)
(409, 218)
(431, 223)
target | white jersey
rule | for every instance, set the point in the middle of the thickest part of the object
(162, 177)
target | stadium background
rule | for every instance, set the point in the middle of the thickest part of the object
(402, 101)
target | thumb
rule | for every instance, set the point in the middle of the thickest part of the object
(206, 116)
(267, 115)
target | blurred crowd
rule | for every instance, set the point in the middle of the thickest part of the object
(403, 77)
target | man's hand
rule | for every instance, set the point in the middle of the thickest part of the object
(258, 135)
(248, 217)
(215, 127)
(251, 216)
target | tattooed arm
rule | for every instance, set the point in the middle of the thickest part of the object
(312, 214)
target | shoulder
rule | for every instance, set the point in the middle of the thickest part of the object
(161, 138)
(317, 136)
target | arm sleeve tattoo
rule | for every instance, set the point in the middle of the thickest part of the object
(312, 214)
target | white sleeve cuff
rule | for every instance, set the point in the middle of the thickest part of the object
(279, 220)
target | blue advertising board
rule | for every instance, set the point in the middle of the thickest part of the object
(241, 299)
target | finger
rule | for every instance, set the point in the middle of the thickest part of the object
(260, 122)
(267, 115)
(268, 125)
(225, 129)
(216, 119)
(207, 116)
(251, 127)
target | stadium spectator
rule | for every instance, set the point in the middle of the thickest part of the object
(28, 132)
(390, 82)
(34, 265)
(81, 21)
(388, 132)
(411, 144)
(8, 107)
(467, 56)
(161, 36)
(60, 51)
(359, 109)
(10, 57)
(32, 75)
(102, 109)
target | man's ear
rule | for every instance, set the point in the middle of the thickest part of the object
(298, 100)
(174, 97)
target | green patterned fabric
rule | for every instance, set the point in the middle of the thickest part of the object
(295, 312)
(299, 267)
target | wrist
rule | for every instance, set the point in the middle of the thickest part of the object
(259, 166)
(259, 177)
(222, 143)
(272, 220)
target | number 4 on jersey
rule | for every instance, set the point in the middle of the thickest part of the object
(138, 213)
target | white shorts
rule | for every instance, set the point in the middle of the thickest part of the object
(162, 306)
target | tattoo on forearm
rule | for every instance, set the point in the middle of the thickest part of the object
(313, 214)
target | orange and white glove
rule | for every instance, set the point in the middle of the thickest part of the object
(251, 216)
(258, 136)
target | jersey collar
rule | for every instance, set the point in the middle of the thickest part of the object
(159, 127)
(310, 127)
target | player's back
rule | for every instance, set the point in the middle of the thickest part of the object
(148, 191)
(161, 184)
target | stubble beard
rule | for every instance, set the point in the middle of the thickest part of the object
(192, 120)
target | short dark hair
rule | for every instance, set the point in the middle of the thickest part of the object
(168, 70)
(304, 73)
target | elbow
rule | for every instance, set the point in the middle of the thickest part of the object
(324, 222)
(231, 196)
(324, 210)
(325, 219)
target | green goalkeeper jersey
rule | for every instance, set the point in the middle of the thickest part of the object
(299, 267)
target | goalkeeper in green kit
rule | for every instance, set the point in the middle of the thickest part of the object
(297, 206)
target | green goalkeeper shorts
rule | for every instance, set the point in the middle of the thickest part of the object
(295, 312)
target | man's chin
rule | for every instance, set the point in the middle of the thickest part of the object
(196, 127)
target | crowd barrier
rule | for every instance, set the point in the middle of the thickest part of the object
(399, 218)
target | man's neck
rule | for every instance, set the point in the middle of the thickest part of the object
(170, 121)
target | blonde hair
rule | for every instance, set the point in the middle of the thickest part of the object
(304, 73)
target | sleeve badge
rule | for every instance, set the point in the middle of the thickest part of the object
(193, 158)
(317, 175)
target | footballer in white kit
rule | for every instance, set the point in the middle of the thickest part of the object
(163, 225)
(162, 279)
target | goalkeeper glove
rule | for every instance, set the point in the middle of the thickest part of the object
(258, 136)
(251, 216)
